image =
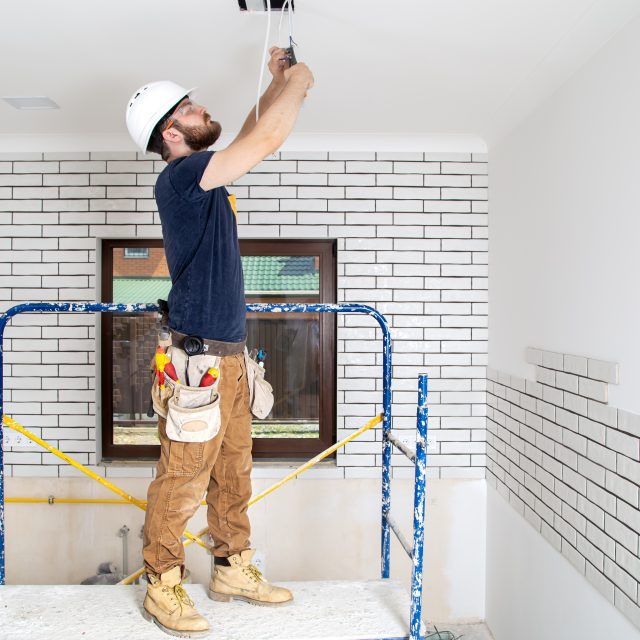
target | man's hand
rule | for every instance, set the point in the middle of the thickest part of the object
(278, 63)
(300, 73)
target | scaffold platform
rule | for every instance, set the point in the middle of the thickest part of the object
(327, 610)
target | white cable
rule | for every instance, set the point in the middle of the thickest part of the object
(290, 12)
(284, 6)
(264, 58)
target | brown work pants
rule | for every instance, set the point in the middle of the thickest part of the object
(221, 466)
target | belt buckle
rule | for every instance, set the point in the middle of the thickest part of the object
(194, 345)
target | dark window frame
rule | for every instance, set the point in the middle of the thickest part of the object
(263, 448)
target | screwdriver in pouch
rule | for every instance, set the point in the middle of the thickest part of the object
(164, 365)
(209, 377)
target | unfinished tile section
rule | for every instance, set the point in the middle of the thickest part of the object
(412, 241)
(570, 464)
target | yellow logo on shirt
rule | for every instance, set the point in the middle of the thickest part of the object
(232, 202)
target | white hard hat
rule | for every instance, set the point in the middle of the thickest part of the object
(147, 106)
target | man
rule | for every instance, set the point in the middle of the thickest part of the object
(207, 301)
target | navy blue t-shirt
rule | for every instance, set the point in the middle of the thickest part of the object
(201, 245)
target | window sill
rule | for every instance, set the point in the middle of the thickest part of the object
(266, 469)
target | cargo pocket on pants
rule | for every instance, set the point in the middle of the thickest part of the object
(185, 458)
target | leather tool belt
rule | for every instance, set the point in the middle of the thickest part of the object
(195, 345)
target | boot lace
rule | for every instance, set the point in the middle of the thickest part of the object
(180, 595)
(183, 596)
(254, 573)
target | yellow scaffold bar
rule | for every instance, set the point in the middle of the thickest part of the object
(16, 426)
(54, 500)
(298, 471)
(142, 504)
(307, 465)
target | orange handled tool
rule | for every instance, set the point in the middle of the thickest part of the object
(210, 377)
(170, 370)
(164, 365)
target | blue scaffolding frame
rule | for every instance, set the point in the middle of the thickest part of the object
(389, 439)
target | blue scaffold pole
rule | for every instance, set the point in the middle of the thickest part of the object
(417, 628)
(74, 307)
(385, 547)
(101, 307)
(3, 323)
(385, 541)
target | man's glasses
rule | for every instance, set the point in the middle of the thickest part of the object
(182, 110)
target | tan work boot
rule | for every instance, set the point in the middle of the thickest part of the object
(169, 606)
(243, 581)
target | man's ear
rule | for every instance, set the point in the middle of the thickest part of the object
(172, 135)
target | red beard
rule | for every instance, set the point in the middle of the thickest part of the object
(202, 136)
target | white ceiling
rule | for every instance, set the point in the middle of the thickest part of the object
(406, 72)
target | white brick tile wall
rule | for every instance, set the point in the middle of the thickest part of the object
(574, 462)
(412, 232)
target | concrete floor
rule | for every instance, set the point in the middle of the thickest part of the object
(477, 631)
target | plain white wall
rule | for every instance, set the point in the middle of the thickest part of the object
(311, 529)
(565, 223)
(564, 261)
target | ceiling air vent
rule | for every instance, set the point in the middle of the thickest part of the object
(28, 103)
(261, 5)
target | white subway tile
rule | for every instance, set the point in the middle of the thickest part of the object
(602, 413)
(416, 167)
(111, 166)
(36, 167)
(469, 168)
(338, 179)
(629, 422)
(628, 492)
(623, 443)
(575, 364)
(396, 180)
(22, 180)
(309, 166)
(605, 371)
(593, 389)
(567, 381)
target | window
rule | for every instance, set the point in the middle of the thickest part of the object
(300, 347)
(136, 252)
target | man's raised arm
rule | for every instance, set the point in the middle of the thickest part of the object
(271, 130)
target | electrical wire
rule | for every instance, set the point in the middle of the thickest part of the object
(288, 5)
(290, 12)
(264, 58)
(284, 6)
(440, 635)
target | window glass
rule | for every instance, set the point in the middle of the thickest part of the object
(136, 252)
(134, 339)
(289, 343)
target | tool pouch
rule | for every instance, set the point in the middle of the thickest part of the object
(192, 413)
(260, 391)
